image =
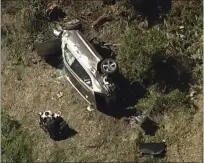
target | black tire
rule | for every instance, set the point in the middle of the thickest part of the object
(49, 48)
(107, 68)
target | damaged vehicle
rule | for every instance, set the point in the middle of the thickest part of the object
(87, 71)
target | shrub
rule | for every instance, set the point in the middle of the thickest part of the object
(136, 51)
(17, 143)
(177, 39)
(23, 29)
(158, 104)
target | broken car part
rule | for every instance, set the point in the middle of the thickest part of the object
(155, 149)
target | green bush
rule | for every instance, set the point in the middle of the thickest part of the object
(159, 104)
(23, 30)
(136, 51)
(17, 144)
(178, 38)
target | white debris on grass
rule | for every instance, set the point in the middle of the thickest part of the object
(192, 93)
(181, 27)
(60, 94)
(181, 36)
(89, 108)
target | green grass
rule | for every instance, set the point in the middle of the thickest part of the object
(137, 50)
(160, 104)
(17, 143)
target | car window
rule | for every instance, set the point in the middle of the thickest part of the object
(68, 56)
(76, 67)
(79, 70)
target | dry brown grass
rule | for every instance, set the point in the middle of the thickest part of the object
(36, 91)
(186, 139)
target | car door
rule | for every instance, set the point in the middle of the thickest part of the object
(78, 77)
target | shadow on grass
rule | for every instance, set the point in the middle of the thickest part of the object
(153, 10)
(54, 60)
(66, 134)
(128, 95)
(170, 74)
(149, 127)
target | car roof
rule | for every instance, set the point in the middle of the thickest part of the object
(82, 49)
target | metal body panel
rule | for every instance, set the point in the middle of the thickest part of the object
(87, 94)
(82, 50)
(88, 58)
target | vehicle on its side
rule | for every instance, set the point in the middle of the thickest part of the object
(87, 71)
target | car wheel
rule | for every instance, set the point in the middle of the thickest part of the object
(74, 24)
(49, 48)
(108, 66)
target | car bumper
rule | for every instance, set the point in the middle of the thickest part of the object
(107, 101)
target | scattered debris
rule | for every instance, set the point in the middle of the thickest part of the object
(60, 94)
(89, 108)
(181, 27)
(192, 94)
(36, 60)
(181, 36)
(155, 149)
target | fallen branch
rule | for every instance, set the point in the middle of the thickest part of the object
(101, 20)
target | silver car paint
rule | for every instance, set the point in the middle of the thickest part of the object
(85, 54)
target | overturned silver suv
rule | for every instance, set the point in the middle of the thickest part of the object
(87, 71)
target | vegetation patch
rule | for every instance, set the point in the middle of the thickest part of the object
(17, 143)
